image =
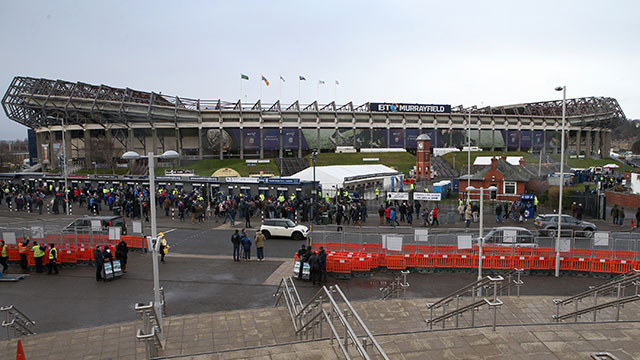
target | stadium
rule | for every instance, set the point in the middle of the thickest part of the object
(216, 129)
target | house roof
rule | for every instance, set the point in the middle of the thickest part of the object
(510, 172)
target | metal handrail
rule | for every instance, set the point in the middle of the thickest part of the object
(398, 284)
(302, 323)
(364, 327)
(597, 307)
(16, 320)
(456, 312)
(445, 300)
(610, 285)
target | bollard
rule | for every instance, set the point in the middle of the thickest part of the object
(173, 213)
(70, 209)
(48, 210)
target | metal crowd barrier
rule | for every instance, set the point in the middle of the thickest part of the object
(151, 333)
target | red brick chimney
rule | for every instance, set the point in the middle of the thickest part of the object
(494, 164)
(504, 157)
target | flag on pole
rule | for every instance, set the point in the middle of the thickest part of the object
(265, 80)
(281, 78)
(337, 83)
(320, 82)
(244, 77)
(300, 77)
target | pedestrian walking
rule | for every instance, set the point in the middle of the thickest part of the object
(3, 256)
(435, 216)
(614, 214)
(381, 214)
(53, 259)
(247, 218)
(322, 255)
(235, 240)
(392, 218)
(467, 217)
(164, 247)
(246, 245)
(23, 248)
(637, 217)
(259, 245)
(301, 255)
(99, 259)
(38, 254)
(314, 264)
(621, 216)
(122, 254)
(498, 213)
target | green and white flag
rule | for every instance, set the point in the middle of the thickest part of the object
(244, 77)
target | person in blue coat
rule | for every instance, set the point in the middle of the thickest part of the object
(246, 245)
(392, 217)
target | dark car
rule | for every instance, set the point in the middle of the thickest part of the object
(548, 225)
(83, 224)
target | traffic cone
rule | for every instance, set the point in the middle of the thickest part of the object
(20, 353)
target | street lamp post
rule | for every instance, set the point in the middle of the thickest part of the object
(481, 226)
(469, 156)
(170, 154)
(64, 168)
(314, 193)
(564, 112)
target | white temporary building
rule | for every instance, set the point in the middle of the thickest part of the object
(486, 160)
(339, 176)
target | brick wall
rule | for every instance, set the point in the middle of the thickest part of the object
(623, 199)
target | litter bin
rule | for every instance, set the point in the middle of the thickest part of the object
(116, 210)
(325, 218)
(451, 217)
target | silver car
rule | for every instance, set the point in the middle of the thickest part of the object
(512, 236)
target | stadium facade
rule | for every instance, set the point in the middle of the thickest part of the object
(215, 129)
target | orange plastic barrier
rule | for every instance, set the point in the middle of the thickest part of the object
(361, 263)
(541, 262)
(581, 264)
(601, 265)
(445, 260)
(565, 263)
(621, 266)
(501, 262)
(544, 252)
(68, 257)
(396, 262)
(522, 262)
(466, 261)
(352, 247)
(603, 254)
(13, 254)
(410, 260)
(371, 248)
(582, 253)
(341, 265)
(425, 261)
(625, 255)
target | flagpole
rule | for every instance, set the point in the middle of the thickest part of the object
(260, 90)
(335, 92)
(318, 95)
(280, 91)
(241, 93)
(299, 81)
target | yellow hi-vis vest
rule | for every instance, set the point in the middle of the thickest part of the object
(4, 250)
(377, 192)
(53, 254)
(37, 252)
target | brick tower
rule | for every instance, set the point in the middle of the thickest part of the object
(423, 158)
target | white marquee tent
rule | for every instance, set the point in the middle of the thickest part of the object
(335, 175)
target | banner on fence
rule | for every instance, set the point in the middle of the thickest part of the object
(565, 245)
(464, 241)
(509, 236)
(422, 235)
(398, 196)
(427, 196)
(37, 232)
(114, 232)
(9, 238)
(95, 225)
(601, 239)
(137, 227)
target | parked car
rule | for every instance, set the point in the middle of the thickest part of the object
(83, 224)
(548, 225)
(283, 228)
(509, 236)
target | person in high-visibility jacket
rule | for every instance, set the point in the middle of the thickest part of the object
(53, 258)
(535, 203)
(377, 193)
(3, 256)
(413, 186)
(38, 254)
(23, 248)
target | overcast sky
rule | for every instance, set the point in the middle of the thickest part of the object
(441, 52)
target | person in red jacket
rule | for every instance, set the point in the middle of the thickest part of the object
(435, 216)
(387, 215)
